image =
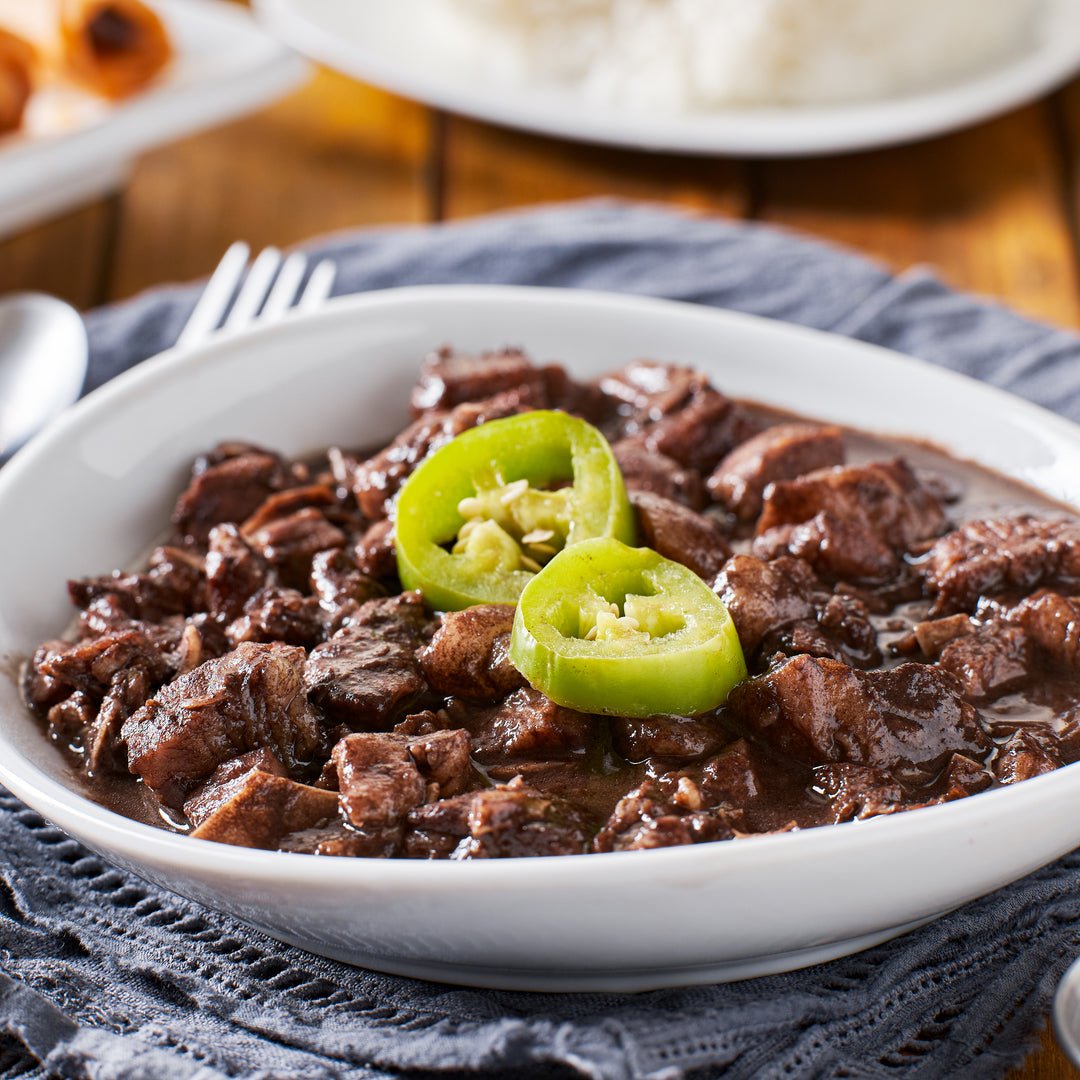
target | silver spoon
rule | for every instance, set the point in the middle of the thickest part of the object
(43, 358)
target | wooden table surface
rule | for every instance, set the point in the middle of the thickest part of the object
(995, 209)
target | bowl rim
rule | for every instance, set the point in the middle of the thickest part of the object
(144, 843)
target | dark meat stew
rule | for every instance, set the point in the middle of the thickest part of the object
(910, 623)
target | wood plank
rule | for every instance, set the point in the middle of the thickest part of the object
(67, 257)
(486, 168)
(984, 206)
(334, 155)
(1066, 109)
(1048, 1063)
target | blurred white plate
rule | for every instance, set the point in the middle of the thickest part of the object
(74, 148)
(384, 43)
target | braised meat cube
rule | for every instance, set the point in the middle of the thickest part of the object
(932, 635)
(963, 777)
(70, 718)
(511, 820)
(102, 746)
(996, 555)
(172, 585)
(702, 432)
(646, 391)
(1052, 622)
(993, 659)
(263, 809)
(229, 489)
(681, 534)
(283, 504)
(449, 378)
(40, 690)
(225, 780)
(646, 470)
(907, 720)
(340, 586)
(765, 597)
(469, 655)
(381, 777)
(885, 497)
(526, 725)
(234, 572)
(290, 543)
(676, 413)
(276, 614)
(671, 737)
(855, 792)
(1023, 757)
(374, 552)
(367, 674)
(732, 778)
(91, 665)
(665, 812)
(837, 549)
(778, 453)
(251, 699)
(376, 481)
(782, 606)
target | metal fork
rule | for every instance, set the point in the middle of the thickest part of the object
(232, 301)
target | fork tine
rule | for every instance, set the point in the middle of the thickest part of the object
(214, 302)
(285, 288)
(257, 284)
(319, 285)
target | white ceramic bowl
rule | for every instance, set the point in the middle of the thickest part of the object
(96, 488)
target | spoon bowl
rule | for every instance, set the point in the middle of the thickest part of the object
(43, 359)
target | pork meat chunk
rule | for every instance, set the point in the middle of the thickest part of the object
(666, 811)
(857, 791)
(646, 470)
(836, 549)
(681, 534)
(907, 720)
(251, 699)
(675, 412)
(367, 674)
(524, 726)
(263, 809)
(1025, 756)
(885, 497)
(468, 657)
(996, 555)
(782, 452)
(277, 614)
(450, 378)
(781, 606)
(666, 737)
(382, 776)
(1052, 622)
(991, 660)
(340, 585)
(376, 481)
(227, 490)
(234, 572)
(512, 820)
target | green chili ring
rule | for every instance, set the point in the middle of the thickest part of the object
(605, 628)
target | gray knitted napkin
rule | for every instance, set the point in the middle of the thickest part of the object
(104, 976)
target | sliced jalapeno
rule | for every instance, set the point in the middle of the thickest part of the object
(606, 628)
(480, 517)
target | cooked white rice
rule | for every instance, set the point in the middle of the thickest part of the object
(699, 54)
